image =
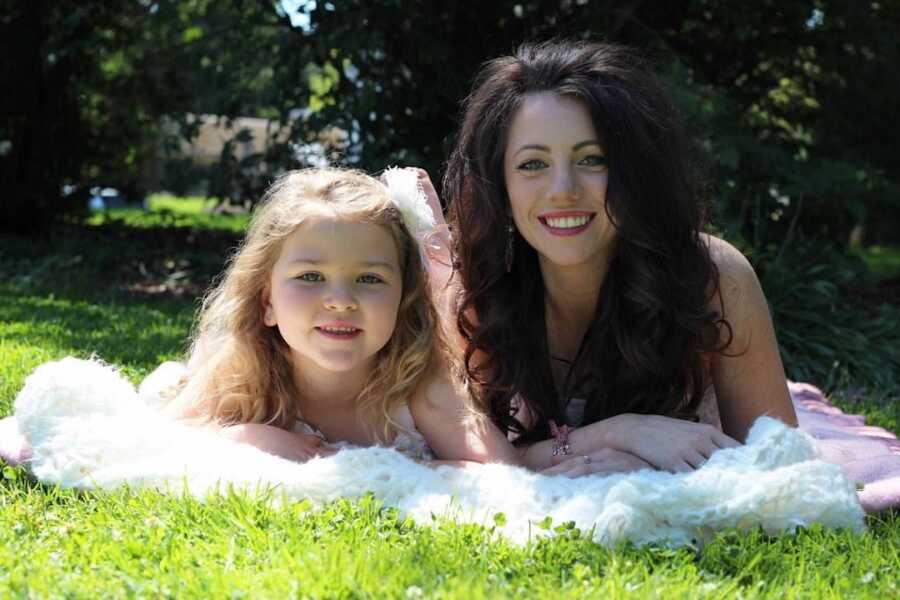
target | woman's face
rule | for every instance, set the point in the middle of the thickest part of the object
(556, 174)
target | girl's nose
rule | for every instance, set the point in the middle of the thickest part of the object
(340, 299)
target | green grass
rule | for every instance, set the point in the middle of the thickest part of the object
(126, 293)
(127, 543)
(163, 210)
(190, 205)
(883, 261)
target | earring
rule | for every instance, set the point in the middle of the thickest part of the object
(510, 247)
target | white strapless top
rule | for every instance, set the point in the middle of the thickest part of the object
(408, 440)
(164, 383)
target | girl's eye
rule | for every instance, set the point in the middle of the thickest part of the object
(593, 160)
(311, 277)
(534, 164)
(369, 279)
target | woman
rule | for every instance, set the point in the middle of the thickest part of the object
(587, 293)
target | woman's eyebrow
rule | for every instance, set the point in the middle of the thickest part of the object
(541, 148)
(532, 147)
(581, 145)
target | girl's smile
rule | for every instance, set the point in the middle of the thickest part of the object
(339, 330)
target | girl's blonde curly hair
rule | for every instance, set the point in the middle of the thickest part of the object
(240, 369)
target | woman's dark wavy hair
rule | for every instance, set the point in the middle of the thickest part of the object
(644, 350)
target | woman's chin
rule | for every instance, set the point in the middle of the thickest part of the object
(571, 258)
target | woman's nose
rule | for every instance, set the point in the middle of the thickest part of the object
(564, 186)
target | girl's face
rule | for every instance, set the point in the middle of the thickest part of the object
(556, 174)
(334, 294)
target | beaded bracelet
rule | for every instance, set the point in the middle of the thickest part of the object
(560, 439)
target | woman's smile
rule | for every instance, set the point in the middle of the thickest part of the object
(567, 223)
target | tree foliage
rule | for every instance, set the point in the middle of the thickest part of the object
(787, 99)
(791, 101)
(91, 85)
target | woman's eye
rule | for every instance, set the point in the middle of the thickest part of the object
(310, 277)
(593, 160)
(532, 165)
(369, 279)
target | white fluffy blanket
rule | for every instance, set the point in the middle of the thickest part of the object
(89, 428)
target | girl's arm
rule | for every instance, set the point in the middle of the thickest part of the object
(453, 430)
(299, 447)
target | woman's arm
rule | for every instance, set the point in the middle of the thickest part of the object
(749, 382)
(601, 462)
(662, 442)
(749, 378)
(460, 437)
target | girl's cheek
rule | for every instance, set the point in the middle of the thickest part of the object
(386, 301)
(301, 294)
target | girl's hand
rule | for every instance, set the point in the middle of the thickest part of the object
(666, 443)
(298, 447)
(603, 462)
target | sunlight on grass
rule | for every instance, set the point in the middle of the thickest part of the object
(188, 205)
(148, 543)
(131, 543)
(136, 336)
(163, 210)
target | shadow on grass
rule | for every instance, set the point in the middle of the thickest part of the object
(126, 295)
(115, 260)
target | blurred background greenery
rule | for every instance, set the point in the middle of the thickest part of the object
(791, 104)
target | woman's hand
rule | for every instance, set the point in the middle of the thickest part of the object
(602, 462)
(665, 443)
(437, 242)
(430, 193)
(662, 442)
(298, 447)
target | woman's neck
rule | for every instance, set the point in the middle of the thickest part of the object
(570, 296)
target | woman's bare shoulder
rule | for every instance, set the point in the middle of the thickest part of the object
(730, 261)
(737, 279)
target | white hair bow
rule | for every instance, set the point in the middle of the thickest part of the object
(409, 198)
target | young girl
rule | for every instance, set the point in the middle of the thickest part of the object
(322, 330)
